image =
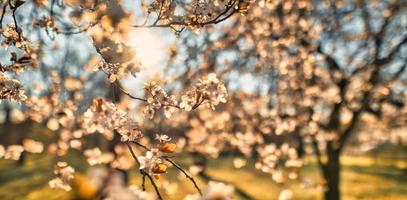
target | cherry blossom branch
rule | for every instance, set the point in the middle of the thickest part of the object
(160, 13)
(175, 165)
(225, 14)
(186, 174)
(143, 173)
(127, 93)
(197, 104)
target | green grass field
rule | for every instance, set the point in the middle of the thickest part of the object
(362, 178)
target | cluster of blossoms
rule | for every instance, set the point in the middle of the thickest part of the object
(11, 89)
(214, 190)
(194, 14)
(208, 91)
(105, 117)
(63, 175)
(13, 36)
(157, 98)
(118, 70)
(29, 58)
(273, 159)
(108, 24)
(153, 161)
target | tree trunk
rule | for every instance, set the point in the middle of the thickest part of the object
(331, 173)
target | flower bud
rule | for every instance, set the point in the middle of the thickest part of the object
(167, 147)
(160, 168)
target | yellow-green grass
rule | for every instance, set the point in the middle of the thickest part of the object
(362, 178)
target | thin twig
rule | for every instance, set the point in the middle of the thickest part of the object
(154, 185)
(186, 174)
(128, 94)
(175, 165)
(143, 173)
(142, 146)
(219, 18)
(143, 182)
(14, 9)
(2, 14)
(81, 30)
(159, 14)
(133, 154)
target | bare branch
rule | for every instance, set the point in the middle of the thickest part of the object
(186, 174)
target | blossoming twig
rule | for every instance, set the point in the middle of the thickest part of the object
(176, 166)
(143, 173)
(186, 174)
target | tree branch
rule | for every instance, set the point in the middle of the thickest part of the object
(143, 173)
(175, 165)
(225, 14)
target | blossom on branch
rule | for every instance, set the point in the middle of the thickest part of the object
(210, 91)
(105, 116)
(11, 89)
(157, 98)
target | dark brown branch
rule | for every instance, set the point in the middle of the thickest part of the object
(342, 85)
(197, 104)
(143, 173)
(133, 154)
(186, 174)
(2, 14)
(81, 30)
(349, 130)
(128, 94)
(143, 182)
(14, 9)
(142, 146)
(175, 165)
(392, 53)
(154, 185)
(225, 14)
(51, 11)
(317, 152)
(160, 13)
